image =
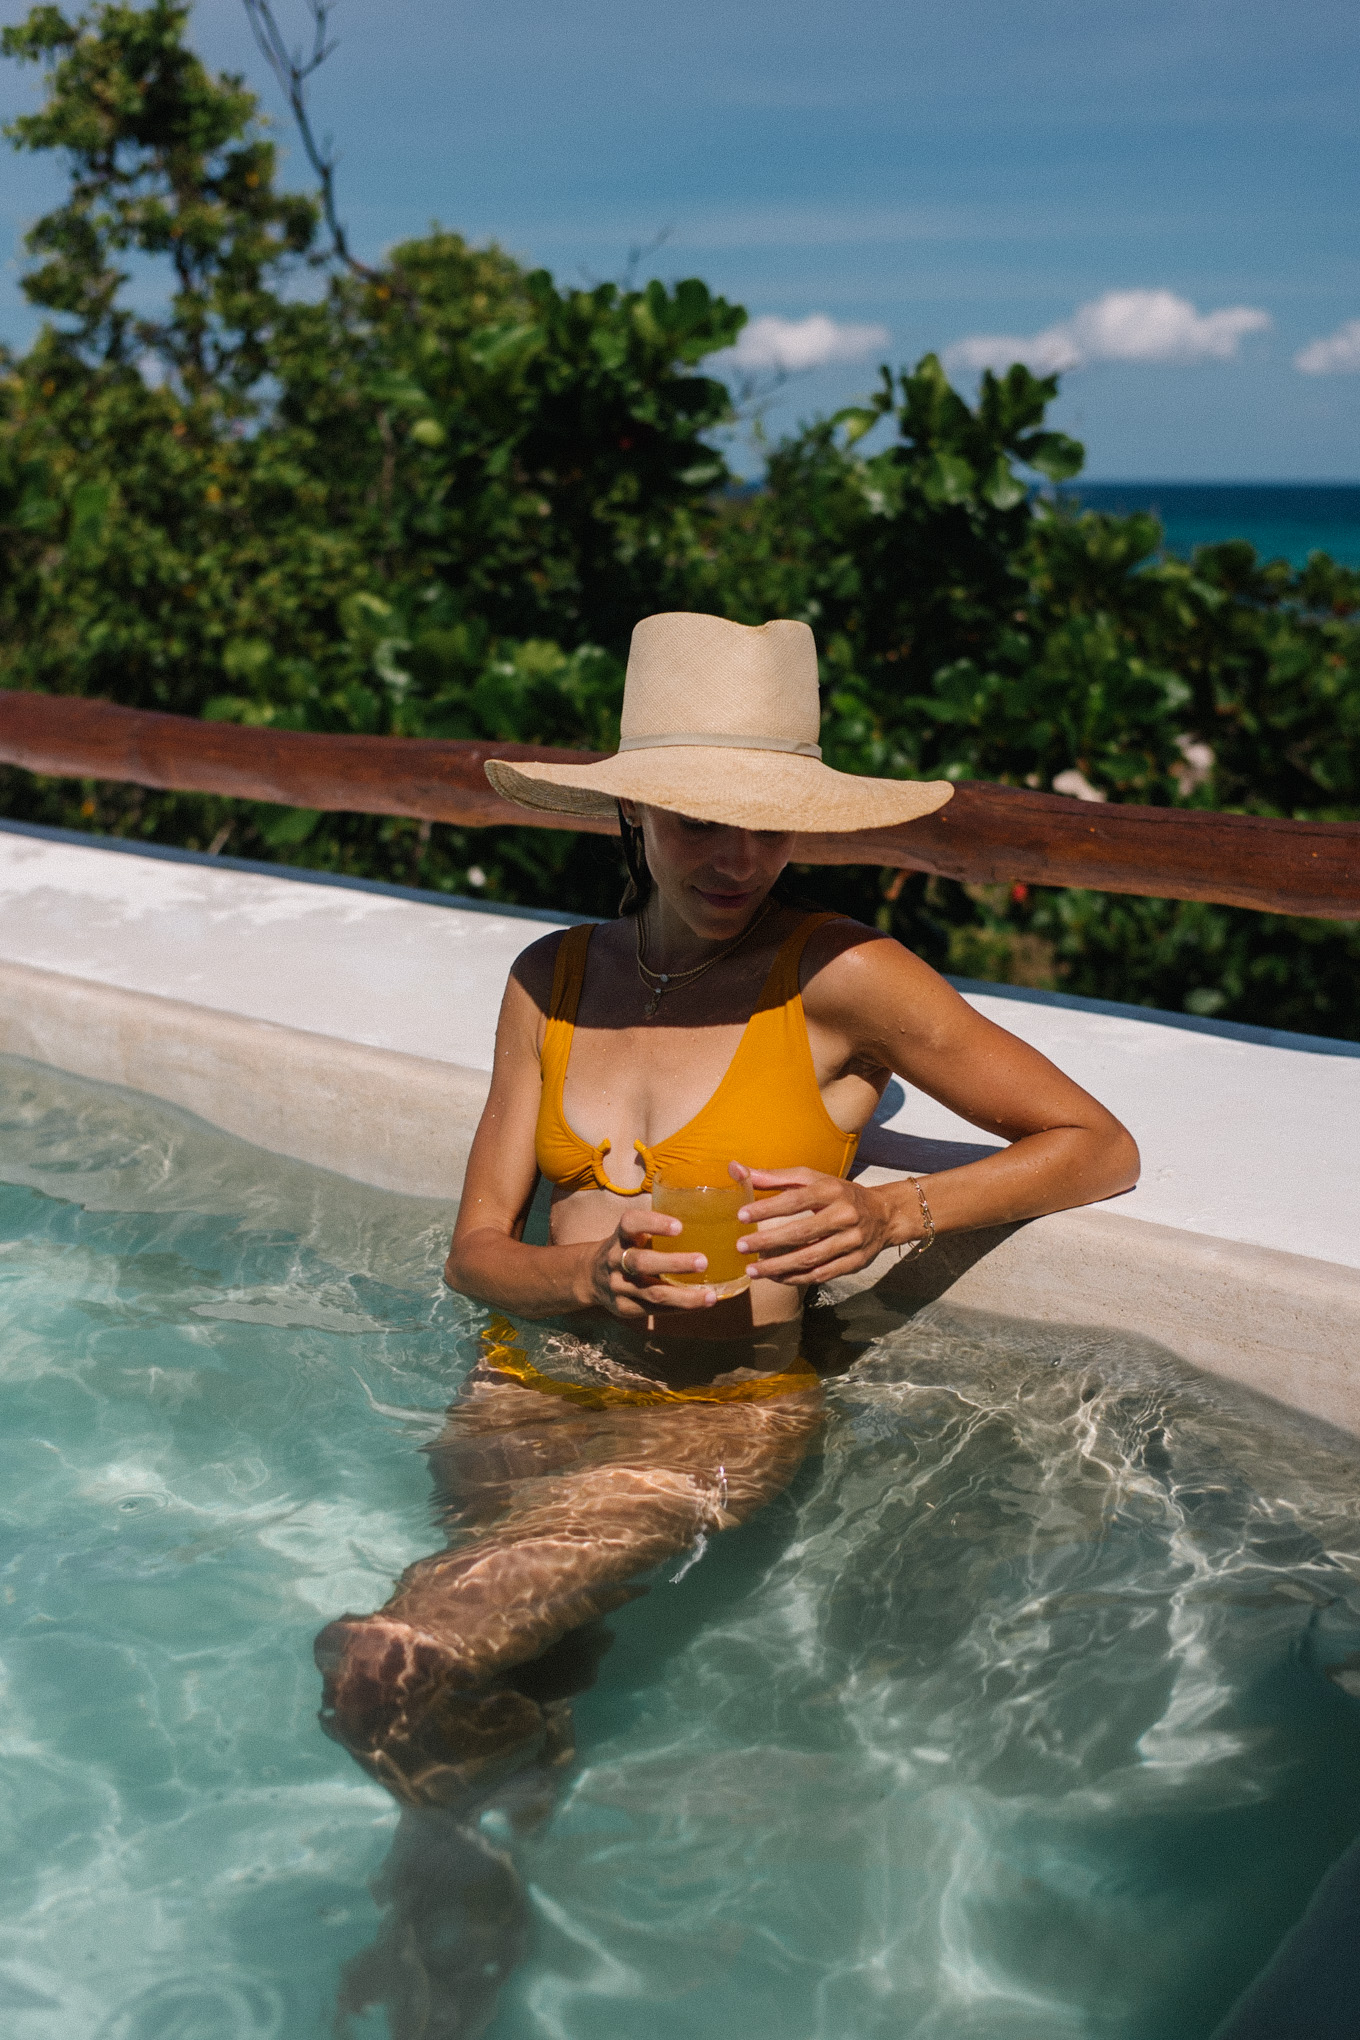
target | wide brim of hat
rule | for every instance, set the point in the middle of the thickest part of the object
(774, 790)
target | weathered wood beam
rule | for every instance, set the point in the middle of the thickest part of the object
(986, 834)
(989, 834)
(428, 780)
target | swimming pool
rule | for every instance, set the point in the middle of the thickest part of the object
(1028, 1710)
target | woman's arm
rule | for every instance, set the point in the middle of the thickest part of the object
(875, 1004)
(488, 1258)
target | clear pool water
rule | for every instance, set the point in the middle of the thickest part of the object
(1027, 1711)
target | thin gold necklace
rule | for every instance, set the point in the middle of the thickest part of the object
(659, 982)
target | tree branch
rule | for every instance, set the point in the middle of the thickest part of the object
(292, 70)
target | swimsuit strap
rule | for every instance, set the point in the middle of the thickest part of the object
(569, 974)
(781, 987)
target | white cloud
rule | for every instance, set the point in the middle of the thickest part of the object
(1338, 354)
(791, 344)
(1124, 325)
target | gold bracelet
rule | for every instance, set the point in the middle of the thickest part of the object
(927, 1239)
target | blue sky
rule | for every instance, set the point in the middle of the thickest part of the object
(940, 174)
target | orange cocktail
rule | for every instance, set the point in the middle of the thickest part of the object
(708, 1215)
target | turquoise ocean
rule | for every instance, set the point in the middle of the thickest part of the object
(1283, 520)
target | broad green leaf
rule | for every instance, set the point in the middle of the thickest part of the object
(856, 420)
(1000, 487)
(397, 393)
(497, 346)
(1053, 454)
(947, 478)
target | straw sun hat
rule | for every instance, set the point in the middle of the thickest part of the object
(720, 721)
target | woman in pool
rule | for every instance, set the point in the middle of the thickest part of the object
(713, 1031)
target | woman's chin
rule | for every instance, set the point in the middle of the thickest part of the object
(721, 913)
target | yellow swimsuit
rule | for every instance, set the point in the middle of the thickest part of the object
(767, 1112)
(502, 1351)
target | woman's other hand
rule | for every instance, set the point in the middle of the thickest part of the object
(808, 1227)
(627, 1272)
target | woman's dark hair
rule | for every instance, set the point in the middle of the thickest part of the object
(638, 890)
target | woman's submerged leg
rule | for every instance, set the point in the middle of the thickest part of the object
(457, 1695)
(556, 1510)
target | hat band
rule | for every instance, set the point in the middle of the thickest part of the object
(709, 739)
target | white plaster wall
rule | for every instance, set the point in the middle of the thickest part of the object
(358, 966)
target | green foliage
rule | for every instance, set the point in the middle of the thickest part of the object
(194, 507)
(164, 163)
(433, 499)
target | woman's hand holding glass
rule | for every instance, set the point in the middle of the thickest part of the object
(808, 1227)
(628, 1275)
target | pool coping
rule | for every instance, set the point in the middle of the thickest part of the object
(170, 853)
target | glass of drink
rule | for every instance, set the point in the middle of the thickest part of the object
(708, 1216)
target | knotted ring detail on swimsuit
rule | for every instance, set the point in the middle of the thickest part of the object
(767, 1111)
(502, 1352)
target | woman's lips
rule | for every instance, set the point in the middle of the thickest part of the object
(725, 899)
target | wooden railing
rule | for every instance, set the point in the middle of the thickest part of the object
(985, 834)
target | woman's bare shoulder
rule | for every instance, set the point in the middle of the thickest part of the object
(834, 939)
(853, 972)
(846, 953)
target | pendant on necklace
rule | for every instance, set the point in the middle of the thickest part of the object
(652, 1005)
